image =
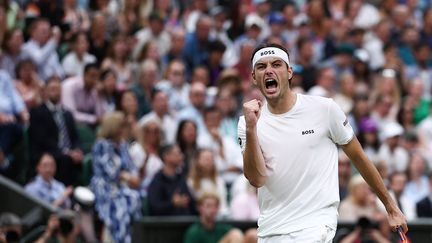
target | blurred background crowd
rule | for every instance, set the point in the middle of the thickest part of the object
(139, 100)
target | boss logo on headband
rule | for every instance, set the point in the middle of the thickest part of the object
(267, 52)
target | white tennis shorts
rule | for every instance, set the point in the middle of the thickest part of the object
(319, 234)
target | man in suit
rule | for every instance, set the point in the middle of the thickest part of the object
(424, 206)
(52, 129)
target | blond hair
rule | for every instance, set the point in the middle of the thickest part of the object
(111, 124)
(196, 172)
(208, 194)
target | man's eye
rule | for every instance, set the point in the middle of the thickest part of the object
(278, 64)
(260, 67)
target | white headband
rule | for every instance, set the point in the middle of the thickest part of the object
(270, 52)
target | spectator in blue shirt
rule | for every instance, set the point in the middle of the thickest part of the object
(45, 187)
(13, 114)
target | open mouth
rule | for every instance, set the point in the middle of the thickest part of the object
(271, 85)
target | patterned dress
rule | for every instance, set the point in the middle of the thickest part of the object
(116, 203)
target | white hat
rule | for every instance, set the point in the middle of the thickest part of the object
(254, 19)
(362, 55)
(391, 130)
(84, 196)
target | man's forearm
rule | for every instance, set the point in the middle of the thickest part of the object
(253, 160)
(369, 173)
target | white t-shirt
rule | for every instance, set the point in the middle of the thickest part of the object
(300, 152)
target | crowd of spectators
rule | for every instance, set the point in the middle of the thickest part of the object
(146, 95)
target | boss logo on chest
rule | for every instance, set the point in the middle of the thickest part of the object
(267, 52)
(306, 132)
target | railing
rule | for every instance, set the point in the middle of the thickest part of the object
(172, 229)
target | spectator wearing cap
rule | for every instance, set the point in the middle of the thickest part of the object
(417, 186)
(276, 23)
(368, 137)
(390, 151)
(195, 51)
(154, 32)
(361, 69)
(253, 32)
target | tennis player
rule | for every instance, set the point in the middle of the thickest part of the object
(289, 145)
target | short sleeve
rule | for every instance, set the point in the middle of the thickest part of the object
(241, 133)
(341, 131)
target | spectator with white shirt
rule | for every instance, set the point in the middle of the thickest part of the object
(73, 63)
(417, 186)
(145, 151)
(42, 48)
(227, 153)
(391, 151)
(160, 113)
(175, 85)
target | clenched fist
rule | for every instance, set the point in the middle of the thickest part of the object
(251, 112)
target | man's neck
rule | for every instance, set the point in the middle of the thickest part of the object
(280, 106)
(169, 170)
(207, 223)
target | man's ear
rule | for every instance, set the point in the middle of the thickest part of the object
(253, 78)
(290, 72)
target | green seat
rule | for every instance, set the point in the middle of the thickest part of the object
(86, 171)
(87, 137)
